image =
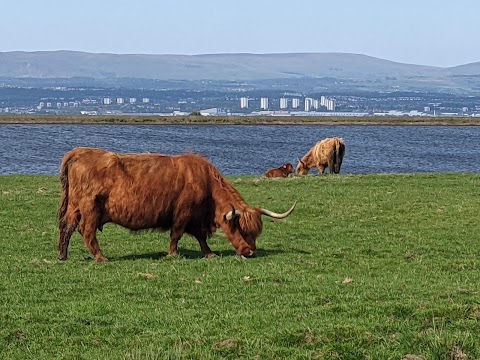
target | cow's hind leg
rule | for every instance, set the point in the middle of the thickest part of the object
(88, 229)
(331, 166)
(66, 227)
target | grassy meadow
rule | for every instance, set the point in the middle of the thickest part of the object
(366, 267)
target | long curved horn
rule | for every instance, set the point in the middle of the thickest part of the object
(232, 213)
(275, 215)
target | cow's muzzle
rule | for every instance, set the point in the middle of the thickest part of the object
(246, 253)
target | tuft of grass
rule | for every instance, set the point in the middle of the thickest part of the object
(367, 266)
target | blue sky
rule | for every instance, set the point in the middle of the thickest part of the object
(425, 32)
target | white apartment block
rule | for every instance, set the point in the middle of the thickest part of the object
(330, 105)
(295, 103)
(119, 100)
(283, 103)
(308, 104)
(107, 101)
(264, 103)
(133, 100)
(145, 100)
(316, 104)
(244, 102)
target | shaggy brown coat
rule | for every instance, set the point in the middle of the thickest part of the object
(185, 194)
(328, 152)
(282, 171)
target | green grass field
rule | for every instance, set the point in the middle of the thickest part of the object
(367, 267)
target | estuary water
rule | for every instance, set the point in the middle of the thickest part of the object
(250, 149)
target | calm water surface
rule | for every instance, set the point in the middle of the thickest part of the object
(247, 149)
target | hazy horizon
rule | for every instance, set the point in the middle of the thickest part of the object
(428, 33)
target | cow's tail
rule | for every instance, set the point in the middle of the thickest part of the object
(337, 156)
(66, 228)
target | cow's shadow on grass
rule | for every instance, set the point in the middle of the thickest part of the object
(192, 254)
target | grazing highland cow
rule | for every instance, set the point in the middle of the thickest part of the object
(183, 194)
(326, 153)
(282, 171)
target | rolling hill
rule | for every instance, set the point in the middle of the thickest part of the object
(347, 68)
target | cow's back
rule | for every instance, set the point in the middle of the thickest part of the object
(323, 149)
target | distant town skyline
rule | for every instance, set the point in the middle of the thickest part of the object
(436, 33)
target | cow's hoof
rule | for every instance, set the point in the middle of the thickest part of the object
(210, 256)
(101, 259)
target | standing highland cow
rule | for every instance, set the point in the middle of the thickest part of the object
(328, 152)
(183, 194)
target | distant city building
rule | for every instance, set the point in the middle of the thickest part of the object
(283, 103)
(65, 104)
(323, 101)
(107, 101)
(133, 100)
(295, 103)
(308, 104)
(264, 103)
(212, 112)
(145, 100)
(91, 112)
(59, 104)
(49, 104)
(244, 103)
(119, 100)
(330, 104)
(316, 104)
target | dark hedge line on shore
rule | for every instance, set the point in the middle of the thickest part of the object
(242, 120)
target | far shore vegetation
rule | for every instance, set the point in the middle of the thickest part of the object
(194, 118)
(366, 267)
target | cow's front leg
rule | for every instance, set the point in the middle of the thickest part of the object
(175, 234)
(201, 235)
(206, 251)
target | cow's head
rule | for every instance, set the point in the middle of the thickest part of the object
(243, 227)
(288, 168)
(302, 167)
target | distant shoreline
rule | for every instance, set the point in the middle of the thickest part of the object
(237, 120)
